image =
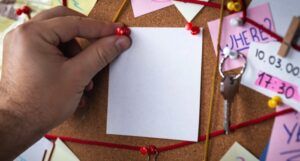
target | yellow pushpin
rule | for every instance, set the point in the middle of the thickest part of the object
(234, 6)
(230, 5)
(274, 102)
(237, 7)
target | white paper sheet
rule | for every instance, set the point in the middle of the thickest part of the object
(282, 11)
(36, 151)
(154, 87)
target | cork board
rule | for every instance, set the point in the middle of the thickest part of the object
(90, 123)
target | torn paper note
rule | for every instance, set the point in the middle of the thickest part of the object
(238, 153)
(188, 10)
(37, 151)
(141, 7)
(154, 87)
(239, 38)
(61, 152)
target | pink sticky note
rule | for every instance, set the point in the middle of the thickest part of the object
(287, 89)
(285, 138)
(239, 38)
(141, 7)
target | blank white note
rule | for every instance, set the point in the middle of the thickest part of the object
(154, 87)
(37, 151)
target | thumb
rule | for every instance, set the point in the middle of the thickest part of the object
(95, 57)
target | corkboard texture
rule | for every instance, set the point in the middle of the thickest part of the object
(90, 123)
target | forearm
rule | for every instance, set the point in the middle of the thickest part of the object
(17, 130)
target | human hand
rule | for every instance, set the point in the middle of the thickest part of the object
(43, 85)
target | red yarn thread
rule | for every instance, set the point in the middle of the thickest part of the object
(232, 128)
(245, 18)
(174, 146)
(204, 3)
(64, 3)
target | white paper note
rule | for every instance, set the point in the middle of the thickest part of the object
(36, 151)
(188, 10)
(273, 75)
(238, 153)
(154, 87)
(61, 153)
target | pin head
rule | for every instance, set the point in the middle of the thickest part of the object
(234, 6)
(274, 102)
(189, 26)
(123, 31)
(19, 11)
(195, 30)
(144, 150)
(235, 22)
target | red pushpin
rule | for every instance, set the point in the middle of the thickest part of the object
(123, 31)
(189, 26)
(195, 30)
(153, 149)
(144, 150)
(25, 9)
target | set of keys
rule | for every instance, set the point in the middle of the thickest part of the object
(229, 87)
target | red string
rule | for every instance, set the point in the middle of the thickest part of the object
(232, 128)
(64, 2)
(245, 18)
(174, 146)
(244, 8)
(209, 4)
(271, 33)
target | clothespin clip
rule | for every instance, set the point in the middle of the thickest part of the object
(291, 37)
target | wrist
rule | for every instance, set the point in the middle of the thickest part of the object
(18, 116)
(17, 132)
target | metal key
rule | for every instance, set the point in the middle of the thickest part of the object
(229, 88)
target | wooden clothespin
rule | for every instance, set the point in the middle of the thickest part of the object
(291, 37)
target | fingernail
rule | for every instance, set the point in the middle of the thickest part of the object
(123, 43)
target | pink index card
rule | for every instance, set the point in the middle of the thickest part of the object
(141, 7)
(239, 38)
(285, 138)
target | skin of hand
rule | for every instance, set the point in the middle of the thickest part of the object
(42, 84)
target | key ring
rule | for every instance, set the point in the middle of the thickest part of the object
(243, 67)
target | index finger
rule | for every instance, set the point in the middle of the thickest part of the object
(63, 29)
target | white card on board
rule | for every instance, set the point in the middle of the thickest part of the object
(238, 153)
(37, 151)
(188, 10)
(272, 75)
(154, 87)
